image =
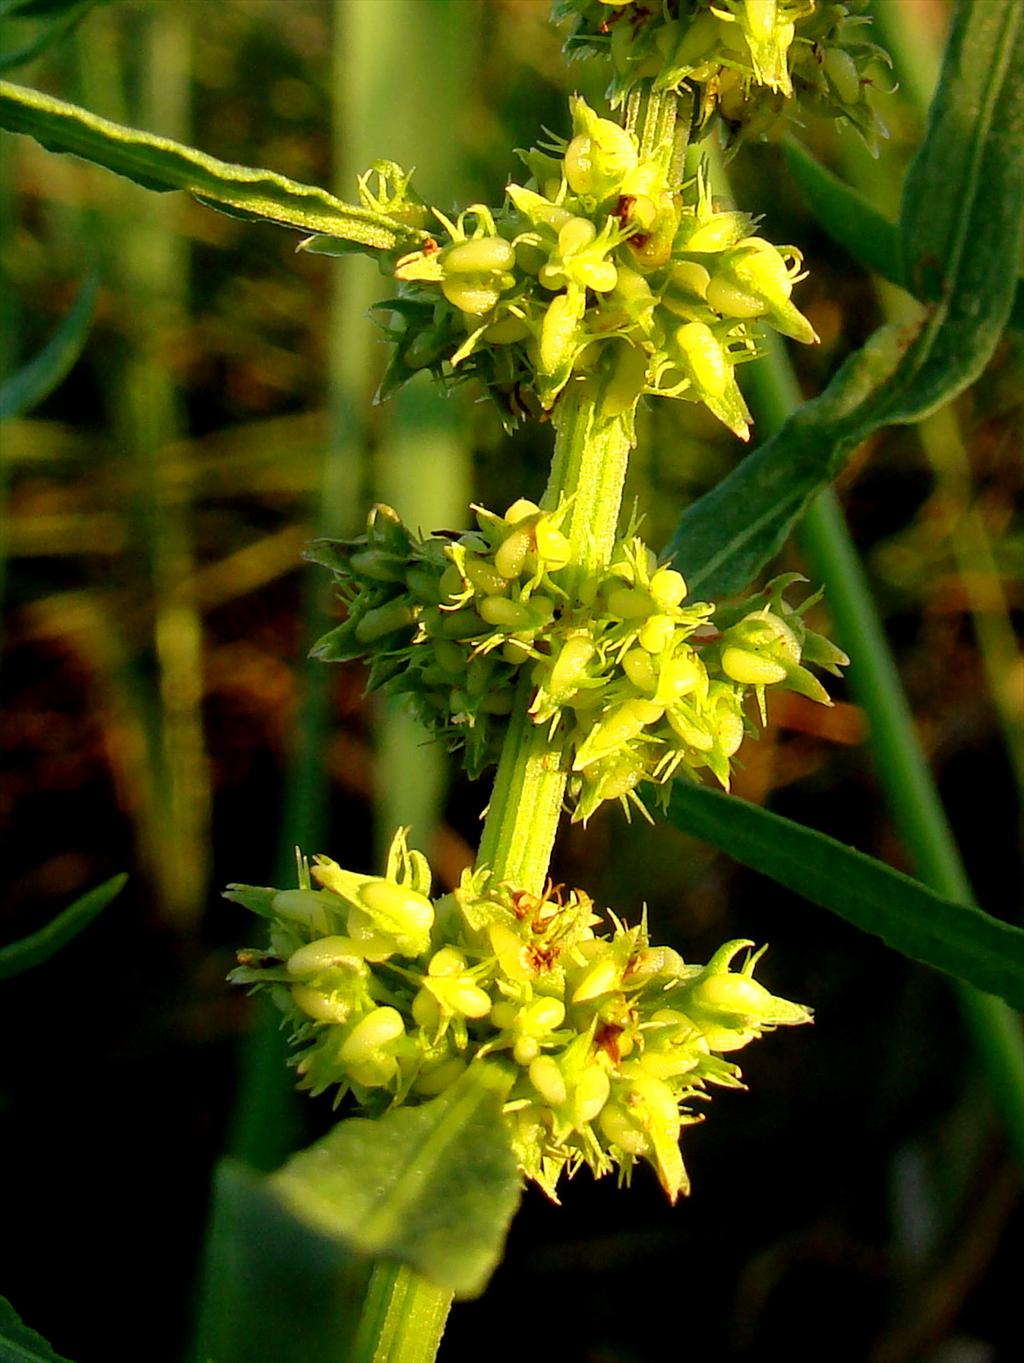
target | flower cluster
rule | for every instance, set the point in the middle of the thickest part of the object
(598, 266)
(606, 1040)
(750, 62)
(643, 685)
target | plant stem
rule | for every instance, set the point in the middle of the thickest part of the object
(403, 1318)
(588, 470)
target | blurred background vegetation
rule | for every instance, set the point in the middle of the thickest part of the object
(159, 715)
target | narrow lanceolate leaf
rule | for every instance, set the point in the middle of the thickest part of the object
(956, 938)
(30, 384)
(40, 946)
(970, 175)
(963, 201)
(19, 1343)
(160, 164)
(433, 1187)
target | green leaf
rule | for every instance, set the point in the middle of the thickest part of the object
(958, 939)
(963, 200)
(160, 164)
(433, 1187)
(291, 1257)
(272, 1287)
(969, 258)
(18, 1343)
(30, 384)
(38, 947)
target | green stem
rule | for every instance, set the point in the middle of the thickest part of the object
(403, 1318)
(903, 771)
(659, 117)
(588, 471)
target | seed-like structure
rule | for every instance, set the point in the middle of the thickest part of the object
(601, 266)
(607, 1041)
(640, 683)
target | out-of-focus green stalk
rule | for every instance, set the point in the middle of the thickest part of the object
(914, 803)
(422, 464)
(150, 260)
(424, 473)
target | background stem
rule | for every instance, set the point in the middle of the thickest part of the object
(910, 790)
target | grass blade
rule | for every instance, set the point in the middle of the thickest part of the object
(161, 164)
(38, 947)
(959, 939)
(35, 380)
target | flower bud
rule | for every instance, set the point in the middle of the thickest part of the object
(603, 976)
(560, 337)
(371, 1033)
(553, 548)
(400, 913)
(616, 729)
(751, 669)
(508, 615)
(629, 603)
(628, 379)
(482, 255)
(321, 1007)
(668, 587)
(590, 1094)
(731, 301)
(690, 278)
(621, 1129)
(570, 666)
(485, 579)
(640, 670)
(575, 236)
(841, 70)
(440, 1077)
(599, 156)
(326, 953)
(510, 556)
(309, 908)
(375, 624)
(705, 358)
(547, 1079)
(720, 232)
(656, 633)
